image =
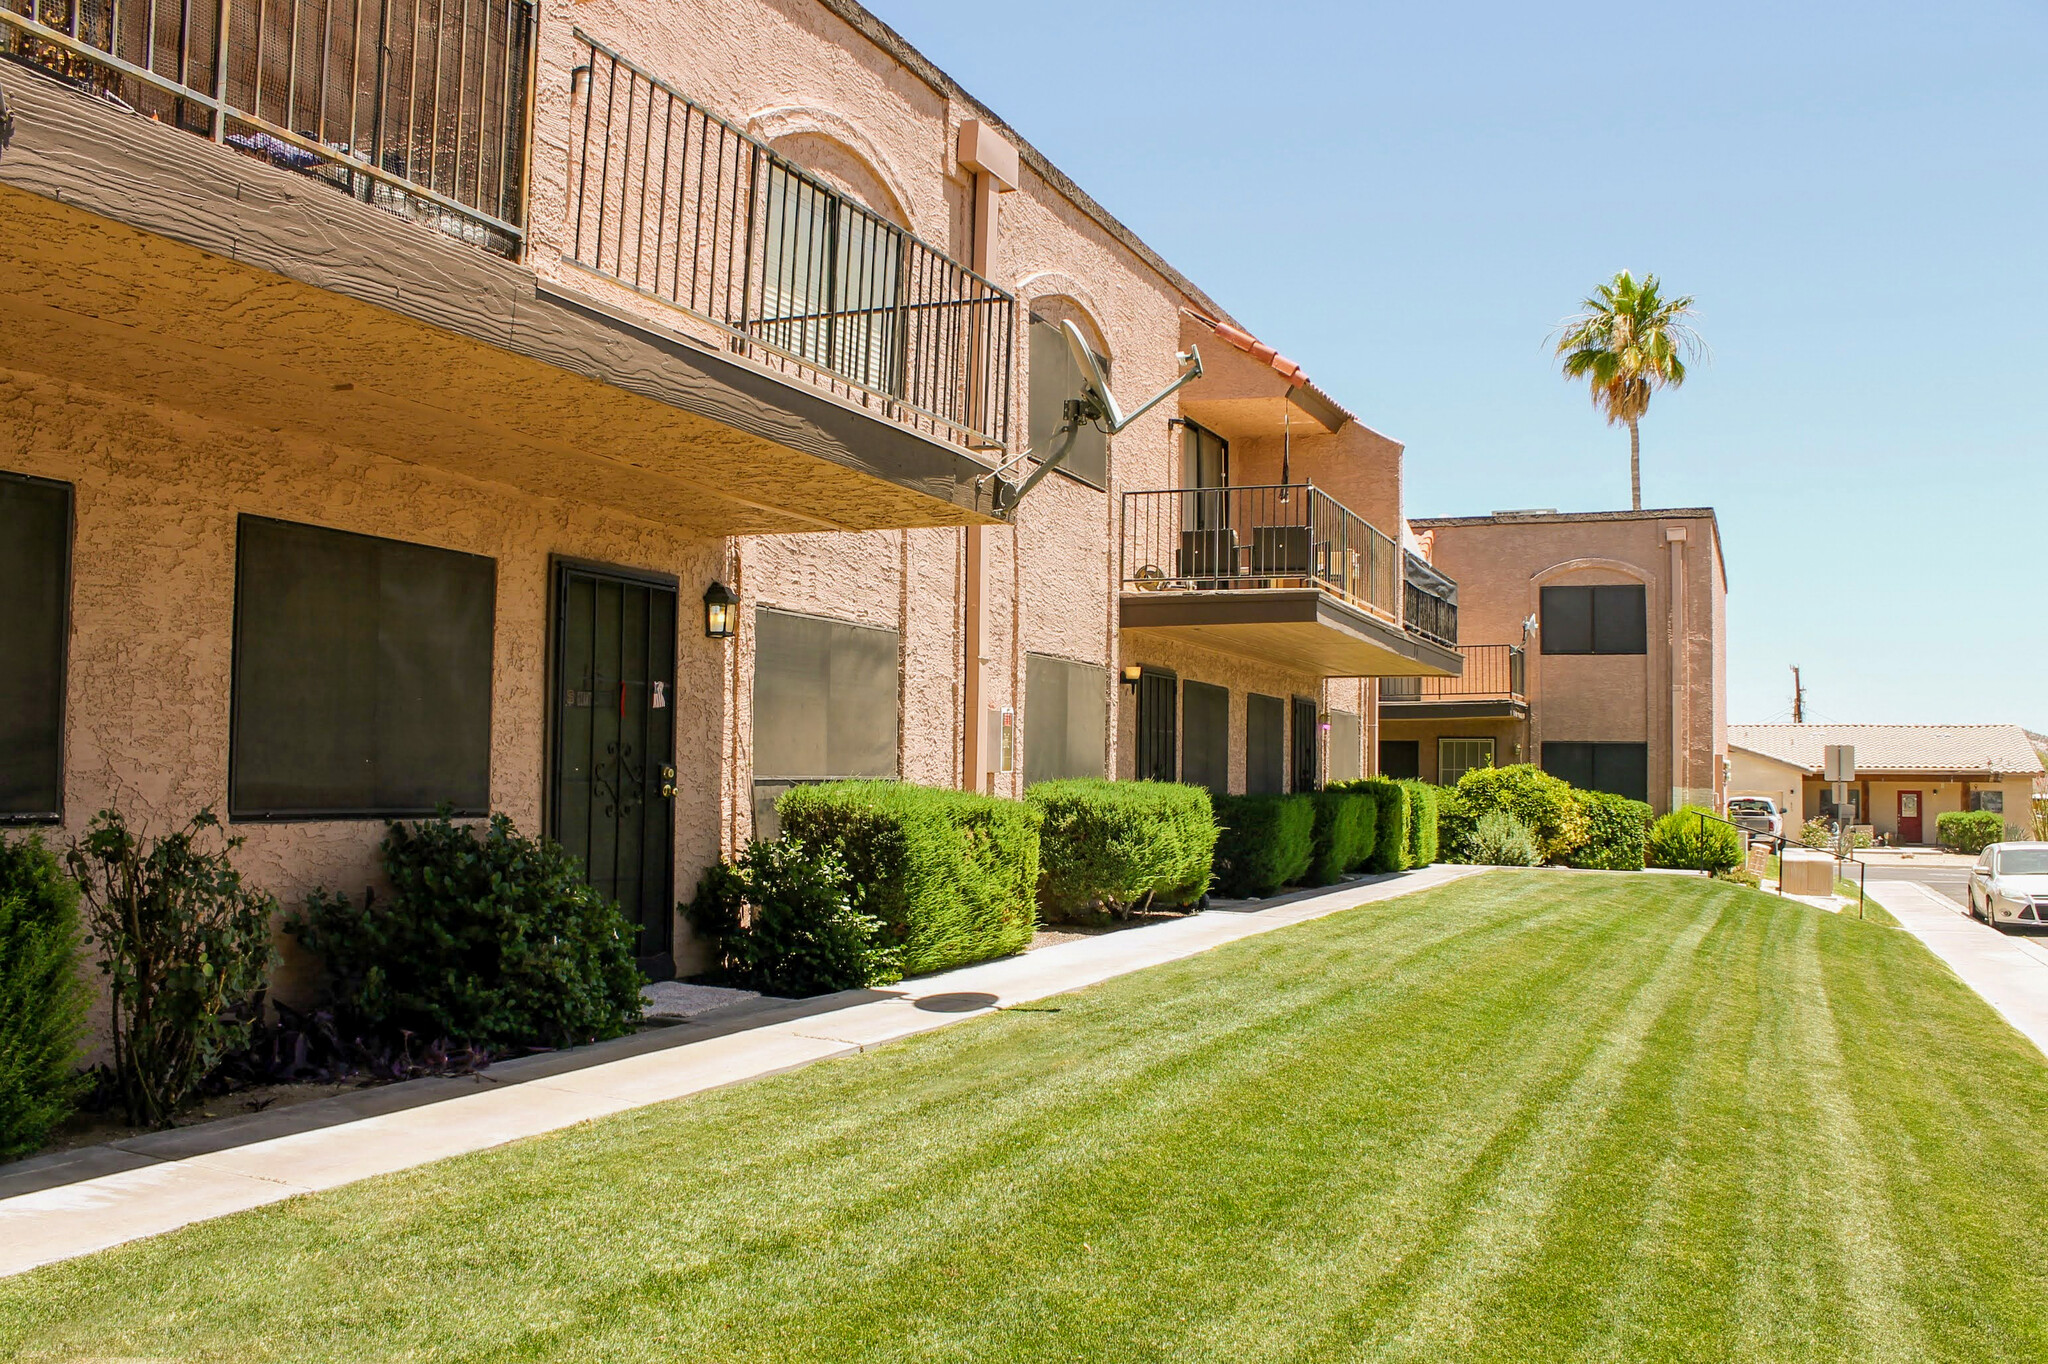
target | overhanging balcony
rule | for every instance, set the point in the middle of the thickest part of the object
(1281, 573)
(1489, 687)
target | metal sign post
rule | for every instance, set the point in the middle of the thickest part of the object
(1838, 765)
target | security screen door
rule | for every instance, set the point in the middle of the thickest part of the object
(613, 777)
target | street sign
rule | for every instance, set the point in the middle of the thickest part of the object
(1839, 763)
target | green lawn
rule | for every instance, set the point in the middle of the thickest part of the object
(1530, 1116)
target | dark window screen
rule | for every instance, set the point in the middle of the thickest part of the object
(825, 705)
(1622, 769)
(1307, 730)
(35, 566)
(1595, 620)
(1347, 749)
(1265, 745)
(1055, 377)
(362, 676)
(1158, 730)
(1066, 718)
(1205, 736)
(1401, 759)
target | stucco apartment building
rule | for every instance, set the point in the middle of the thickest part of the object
(1907, 776)
(1595, 644)
(612, 414)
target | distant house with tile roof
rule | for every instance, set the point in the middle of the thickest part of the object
(1906, 775)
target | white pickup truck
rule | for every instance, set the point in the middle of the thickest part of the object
(1758, 814)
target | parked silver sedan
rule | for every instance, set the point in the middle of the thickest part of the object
(2009, 884)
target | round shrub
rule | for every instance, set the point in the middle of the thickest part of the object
(1108, 847)
(489, 937)
(1692, 838)
(1617, 832)
(1501, 840)
(780, 919)
(1546, 804)
(43, 996)
(1262, 843)
(1969, 831)
(1454, 826)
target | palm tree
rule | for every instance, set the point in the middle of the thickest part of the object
(1626, 343)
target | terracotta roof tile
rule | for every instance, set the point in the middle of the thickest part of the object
(1896, 748)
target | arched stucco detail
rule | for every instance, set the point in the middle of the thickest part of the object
(1051, 284)
(800, 120)
(1627, 570)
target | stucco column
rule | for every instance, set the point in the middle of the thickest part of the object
(1674, 539)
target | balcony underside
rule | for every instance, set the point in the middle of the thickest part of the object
(143, 261)
(1393, 712)
(1302, 629)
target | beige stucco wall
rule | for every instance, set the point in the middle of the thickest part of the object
(1757, 774)
(1501, 567)
(1939, 792)
(1507, 736)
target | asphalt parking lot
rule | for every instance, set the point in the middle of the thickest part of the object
(1952, 882)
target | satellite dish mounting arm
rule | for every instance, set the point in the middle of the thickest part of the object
(1096, 406)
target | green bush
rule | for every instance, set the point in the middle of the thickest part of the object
(1422, 831)
(43, 996)
(489, 937)
(1343, 835)
(1454, 825)
(1262, 843)
(1617, 832)
(1501, 840)
(1684, 839)
(952, 875)
(1390, 822)
(1819, 832)
(1968, 831)
(185, 947)
(780, 919)
(1108, 847)
(1547, 804)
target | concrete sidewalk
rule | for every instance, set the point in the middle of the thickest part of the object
(2009, 971)
(156, 1184)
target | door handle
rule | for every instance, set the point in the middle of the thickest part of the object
(668, 781)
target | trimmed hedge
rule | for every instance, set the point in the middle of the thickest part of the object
(1390, 837)
(780, 919)
(1107, 847)
(1617, 832)
(953, 876)
(1683, 839)
(1968, 831)
(1344, 834)
(1422, 832)
(1262, 843)
(1455, 825)
(1547, 804)
(43, 996)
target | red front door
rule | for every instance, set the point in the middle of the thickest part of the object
(1909, 816)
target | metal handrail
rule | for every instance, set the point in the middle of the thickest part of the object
(334, 108)
(1261, 535)
(1492, 672)
(1781, 843)
(684, 207)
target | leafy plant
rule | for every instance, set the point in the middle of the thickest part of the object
(185, 946)
(1969, 831)
(1390, 821)
(1263, 842)
(780, 919)
(1422, 832)
(488, 937)
(1547, 804)
(1454, 825)
(952, 875)
(43, 996)
(1693, 838)
(1107, 847)
(1617, 832)
(1501, 840)
(1627, 342)
(1819, 832)
(1343, 834)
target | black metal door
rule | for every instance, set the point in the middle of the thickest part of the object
(1307, 730)
(612, 783)
(1158, 727)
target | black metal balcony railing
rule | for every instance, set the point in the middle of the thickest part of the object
(674, 202)
(1278, 535)
(417, 107)
(1492, 672)
(1429, 615)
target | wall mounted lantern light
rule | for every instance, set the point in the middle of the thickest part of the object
(721, 612)
(1131, 675)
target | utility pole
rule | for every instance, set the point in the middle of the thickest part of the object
(1798, 698)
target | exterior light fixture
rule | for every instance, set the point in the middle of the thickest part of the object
(721, 612)
(1131, 675)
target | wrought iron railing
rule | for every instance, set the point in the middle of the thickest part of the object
(1429, 615)
(415, 106)
(1276, 535)
(1492, 672)
(678, 204)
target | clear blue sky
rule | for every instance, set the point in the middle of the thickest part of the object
(1407, 198)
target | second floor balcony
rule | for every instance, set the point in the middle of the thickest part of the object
(1283, 573)
(1489, 685)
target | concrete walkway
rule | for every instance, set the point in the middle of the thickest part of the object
(2009, 971)
(150, 1185)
